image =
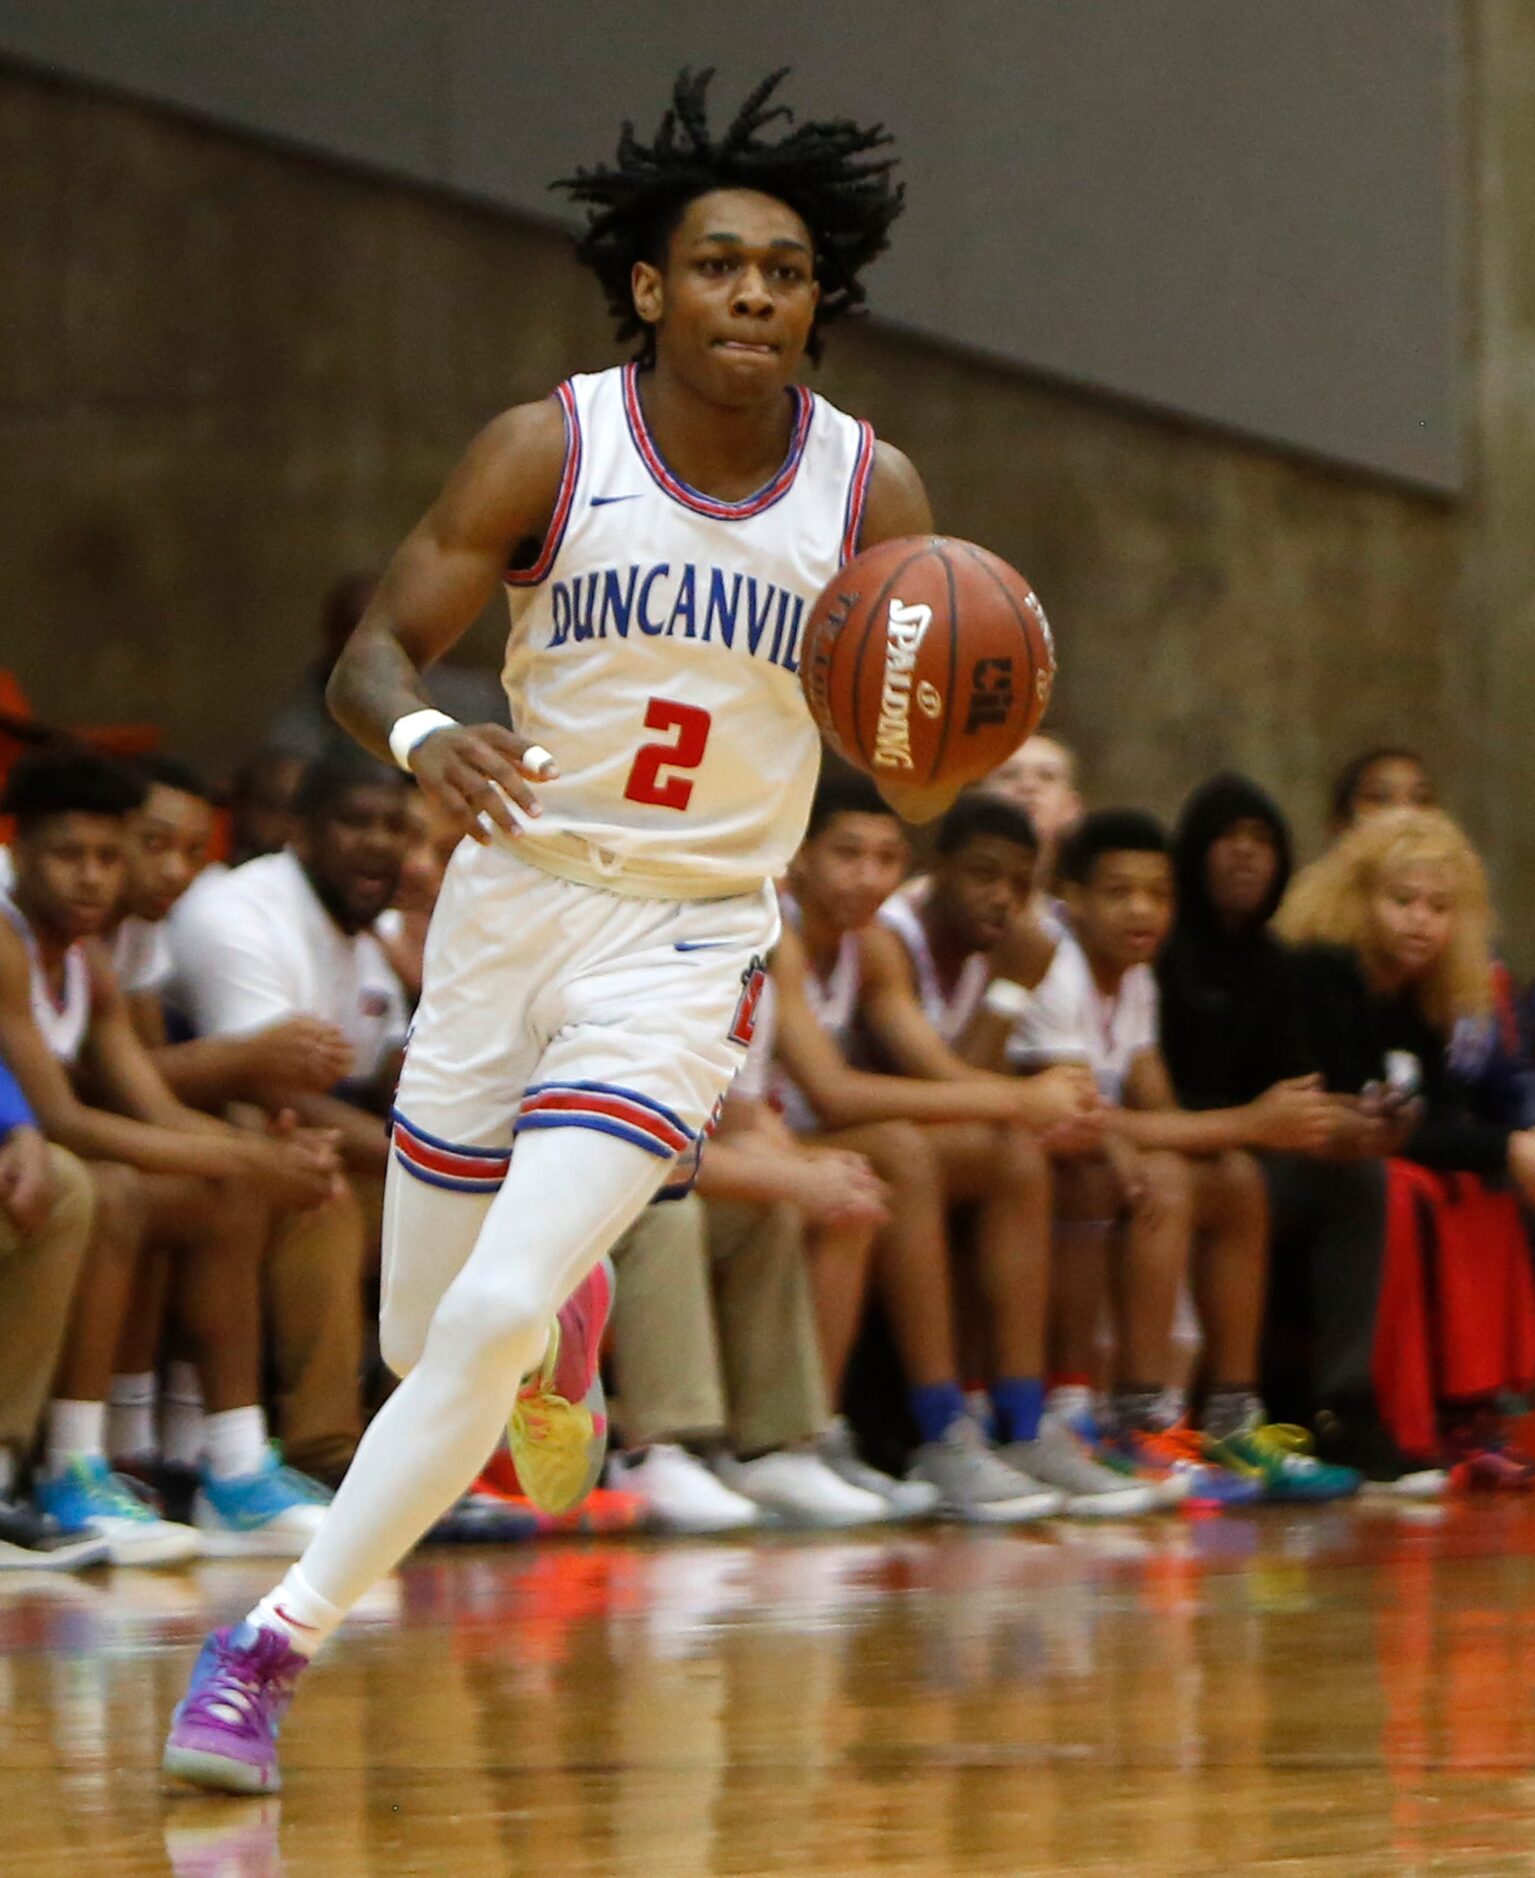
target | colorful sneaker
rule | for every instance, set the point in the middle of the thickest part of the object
(273, 1513)
(1073, 1406)
(1185, 1454)
(1484, 1457)
(558, 1434)
(224, 1729)
(1279, 1455)
(1354, 1436)
(32, 1542)
(89, 1501)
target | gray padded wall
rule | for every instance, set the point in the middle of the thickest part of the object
(1241, 212)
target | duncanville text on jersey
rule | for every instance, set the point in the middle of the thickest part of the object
(686, 602)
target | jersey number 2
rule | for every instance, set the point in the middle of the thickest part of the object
(685, 751)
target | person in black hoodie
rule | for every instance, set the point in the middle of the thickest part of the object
(1233, 1025)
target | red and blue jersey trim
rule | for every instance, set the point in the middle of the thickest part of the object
(609, 1110)
(564, 501)
(448, 1164)
(857, 492)
(695, 499)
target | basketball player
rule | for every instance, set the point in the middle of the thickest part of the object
(595, 959)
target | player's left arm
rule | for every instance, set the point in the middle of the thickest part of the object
(890, 1007)
(896, 506)
(1293, 1117)
(125, 1071)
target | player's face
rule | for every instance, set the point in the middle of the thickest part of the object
(1412, 919)
(850, 868)
(1041, 778)
(1395, 782)
(166, 848)
(981, 889)
(735, 301)
(355, 850)
(70, 873)
(1122, 913)
(1240, 870)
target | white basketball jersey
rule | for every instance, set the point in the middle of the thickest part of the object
(655, 644)
(947, 1011)
(63, 1023)
(834, 1002)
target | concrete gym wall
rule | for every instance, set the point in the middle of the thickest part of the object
(1245, 213)
(232, 371)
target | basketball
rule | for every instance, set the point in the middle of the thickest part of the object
(927, 661)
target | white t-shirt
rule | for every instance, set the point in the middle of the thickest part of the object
(1071, 1020)
(141, 955)
(255, 946)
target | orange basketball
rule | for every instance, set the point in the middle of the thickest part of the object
(927, 661)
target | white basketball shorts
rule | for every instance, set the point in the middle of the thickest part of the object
(548, 1004)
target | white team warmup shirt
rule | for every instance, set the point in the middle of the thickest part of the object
(64, 1021)
(1071, 1021)
(655, 645)
(947, 1011)
(255, 946)
(834, 1002)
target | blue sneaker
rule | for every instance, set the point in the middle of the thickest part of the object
(1186, 1455)
(89, 1501)
(273, 1513)
(224, 1729)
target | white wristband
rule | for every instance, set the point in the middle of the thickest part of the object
(411, 728)
(1005, 997)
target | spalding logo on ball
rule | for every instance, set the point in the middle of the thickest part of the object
(940, 624)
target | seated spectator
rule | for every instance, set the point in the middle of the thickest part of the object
(1232, 1028)
(1041, 777)
(1390, 930)
(260, 803)
(402, 929)
(304, 727)
(163, 1174)
(1193, 1196)
(46, 1209)
(934, 1139)
(1387, 777)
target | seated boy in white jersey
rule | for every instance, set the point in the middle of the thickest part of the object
(163, 1174)
(663, 531)
(1193, 1197)
(938, 1132)
(313, 1270)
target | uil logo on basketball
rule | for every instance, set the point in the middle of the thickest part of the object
(743, 1026)
(991, 693)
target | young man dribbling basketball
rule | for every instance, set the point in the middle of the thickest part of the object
(594, 962)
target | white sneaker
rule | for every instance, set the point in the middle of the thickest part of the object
(681, 1493)
(800, 1489)
(909, 1499)
(976, 1485)
(1060, 1458)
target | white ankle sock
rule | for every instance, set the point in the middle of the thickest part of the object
(295, 1610)
(76, 1431)
(183, 1426)
(236, 1443)
(131, 1417)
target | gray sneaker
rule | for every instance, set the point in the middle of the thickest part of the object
(908, 1499)
(976, 1485)
(1060, 1458)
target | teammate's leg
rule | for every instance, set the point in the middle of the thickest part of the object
(1230, 1277)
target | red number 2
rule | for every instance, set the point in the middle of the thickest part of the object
(686, 751)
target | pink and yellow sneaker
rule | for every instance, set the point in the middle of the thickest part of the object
(558, 1433)
(224, 1729)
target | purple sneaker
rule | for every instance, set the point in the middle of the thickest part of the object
(224, 1730)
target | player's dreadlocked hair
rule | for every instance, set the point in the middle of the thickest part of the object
(823, 171)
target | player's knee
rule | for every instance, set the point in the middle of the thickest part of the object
(1169, 1184)
(1236, 1186)
(122, 1209)
(487, 1328)
(903, 1156)
(1021, 1161)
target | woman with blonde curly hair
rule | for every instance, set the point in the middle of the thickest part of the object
(1392, 936)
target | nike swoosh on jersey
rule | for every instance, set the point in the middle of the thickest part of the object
(699, 945)
(601, 502)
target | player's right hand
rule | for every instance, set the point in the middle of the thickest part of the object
(1297, 1116)
(836, 1188)
(300, 1053)
(298, 1168)
(474, 772)
(1062, 1096)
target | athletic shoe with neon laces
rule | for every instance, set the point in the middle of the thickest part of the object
(1184, 1452)
(273, 1513)
(224, 1729)
(907, 1499)
(1072, 1404)
(89, 1501)
(976, 1486)
(558, 1433)
(1060, 1458)
(1279, 1454)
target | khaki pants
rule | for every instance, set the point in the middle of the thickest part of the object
(37, 1284)
(714, 1327)
(314, 1311)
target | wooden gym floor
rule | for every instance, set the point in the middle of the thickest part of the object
(1344, 1692)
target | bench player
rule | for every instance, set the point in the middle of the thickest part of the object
(663, 530)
